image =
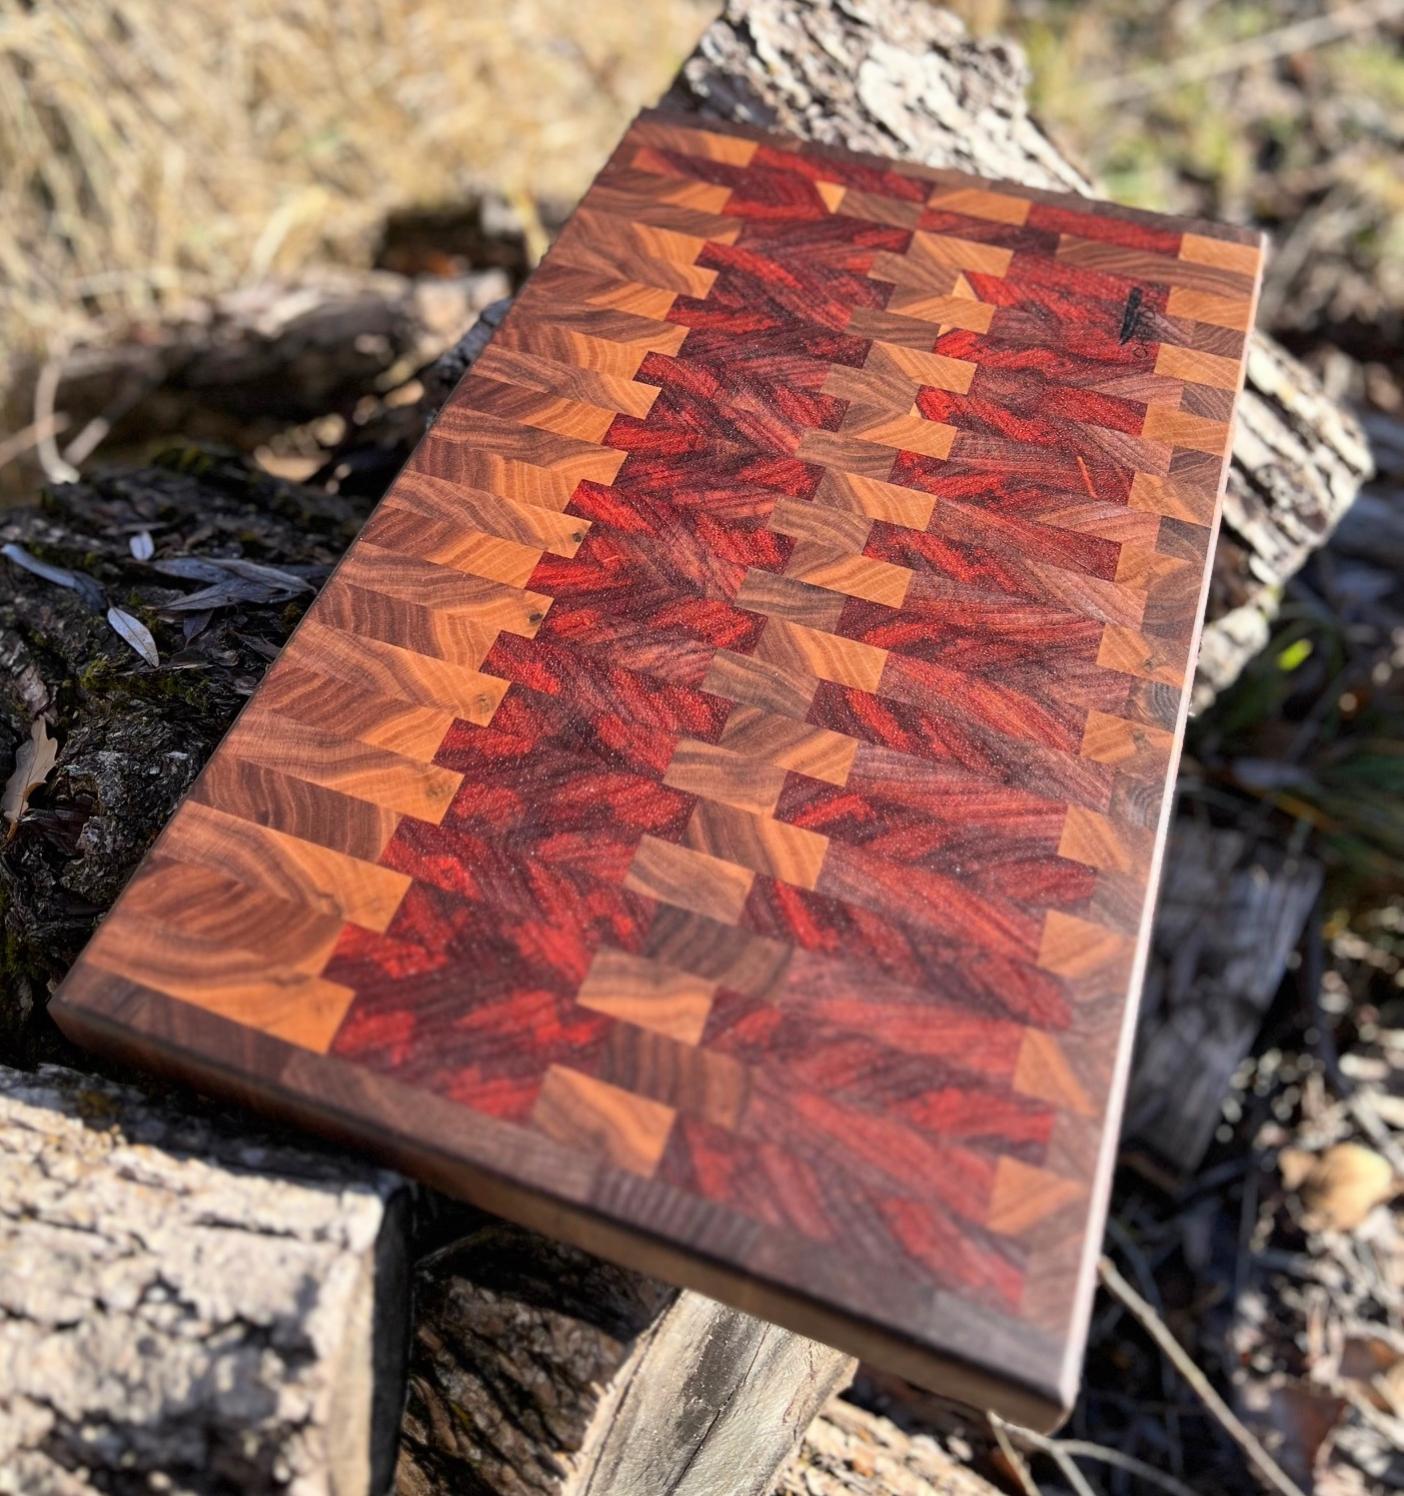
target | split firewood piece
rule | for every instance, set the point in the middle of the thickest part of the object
(538, 1368)
(190, 1300)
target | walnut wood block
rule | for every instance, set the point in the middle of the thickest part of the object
(713, 814)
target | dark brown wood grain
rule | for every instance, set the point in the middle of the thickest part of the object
(713, 811)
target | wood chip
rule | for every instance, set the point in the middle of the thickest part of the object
(1340, 1187)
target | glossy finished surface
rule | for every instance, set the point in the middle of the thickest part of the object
(712, 812)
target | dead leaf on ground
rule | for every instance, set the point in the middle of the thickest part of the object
(32, 765)
(1304, 1417)
(1375, 1363)
(1340, 1187)
(135, 633)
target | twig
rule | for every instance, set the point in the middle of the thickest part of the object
(45, 419)
(1086, 1450)
(1300, 36)
(1017, 1463)
(1236, 1429)
(30, 436)
(87, 441)
(1145, 1276)
(1070, 1473)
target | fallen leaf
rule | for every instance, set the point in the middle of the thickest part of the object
(1305, 1417)
(135, 632)
(60, 576)
(32, 765)
(1373, 1362)
(1340, 1187)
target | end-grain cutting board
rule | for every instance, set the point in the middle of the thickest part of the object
(713, 811)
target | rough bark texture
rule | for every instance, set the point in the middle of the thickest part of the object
(131, 737)
(1229, 919)
(540, 1371)
(850, 1451)
(676, 1386)
(902, 78)
(187, 1305)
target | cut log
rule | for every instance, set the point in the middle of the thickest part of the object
(850, 1451)
(902, 78)
(243, 366)
(187, 1304)
(539, 1369)
(1230, 916)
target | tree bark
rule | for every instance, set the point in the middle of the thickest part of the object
(187, 1300)
(541, 1371)
(241, 367)
(683, 1386)
(851, 1451)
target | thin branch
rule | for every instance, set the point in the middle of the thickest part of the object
(1236, 1429)
(1002, 1430)
(1069, 1471)
(30, 436)
(1194, 67)
(46, 421)
(1084, 1449)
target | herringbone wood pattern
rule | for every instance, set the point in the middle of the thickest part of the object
(719, 791)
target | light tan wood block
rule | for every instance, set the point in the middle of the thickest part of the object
(651, 994)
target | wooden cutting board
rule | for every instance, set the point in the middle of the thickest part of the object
(713, 811)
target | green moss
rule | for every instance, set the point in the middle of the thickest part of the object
(186, 458)
(96, 677)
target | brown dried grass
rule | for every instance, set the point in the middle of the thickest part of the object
(150, 148)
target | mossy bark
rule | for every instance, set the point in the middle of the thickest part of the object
(131, 737)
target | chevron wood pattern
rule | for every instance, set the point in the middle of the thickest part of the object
(713, 811)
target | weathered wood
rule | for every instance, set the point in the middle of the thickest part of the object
(903, 78)
(242, 366)
(1230, 915)
(187, 1302)
(851, 1451)
(102, 804)
(539, 1369)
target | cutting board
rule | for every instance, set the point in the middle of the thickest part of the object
(712, 813)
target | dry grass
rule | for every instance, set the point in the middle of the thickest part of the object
(149, 149)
